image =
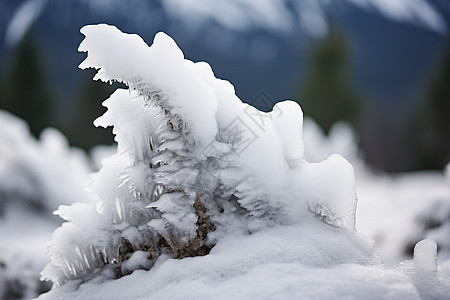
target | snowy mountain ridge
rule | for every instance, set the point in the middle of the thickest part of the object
(242, 15)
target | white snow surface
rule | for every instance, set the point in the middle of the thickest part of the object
(276, 263)
(287, 232)
(23, 243)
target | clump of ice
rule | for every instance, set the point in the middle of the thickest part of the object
(199, 172)
(423, 271)
(425, 253)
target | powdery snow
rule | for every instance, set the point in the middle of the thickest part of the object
(276, 263)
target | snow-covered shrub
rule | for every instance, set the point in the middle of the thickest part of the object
(39, 173)
(36, 176)
(199, 172)
(193, 163)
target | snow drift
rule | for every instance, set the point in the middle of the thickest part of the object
(36, 176)
(213, 197)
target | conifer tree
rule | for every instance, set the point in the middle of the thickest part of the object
(327, 94)
(26, 92)
(432, 119)
(87, 107)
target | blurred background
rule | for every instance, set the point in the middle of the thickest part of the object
(372, 77)
(381, 65)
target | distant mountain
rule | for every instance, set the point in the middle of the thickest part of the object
(390, 57)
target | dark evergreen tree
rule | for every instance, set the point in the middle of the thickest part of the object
(26, 91)
(432, 128)
(327, 93)
(87, 107)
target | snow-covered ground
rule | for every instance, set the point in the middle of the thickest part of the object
(282, 209)
(304, 260)
(392, 210)
(23, 235)
(395, 210)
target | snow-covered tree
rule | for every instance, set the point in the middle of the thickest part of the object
(199, 172)
(193, 163)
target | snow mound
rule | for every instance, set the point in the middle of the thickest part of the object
(414, 205)
(208, 194)
(42, 173)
